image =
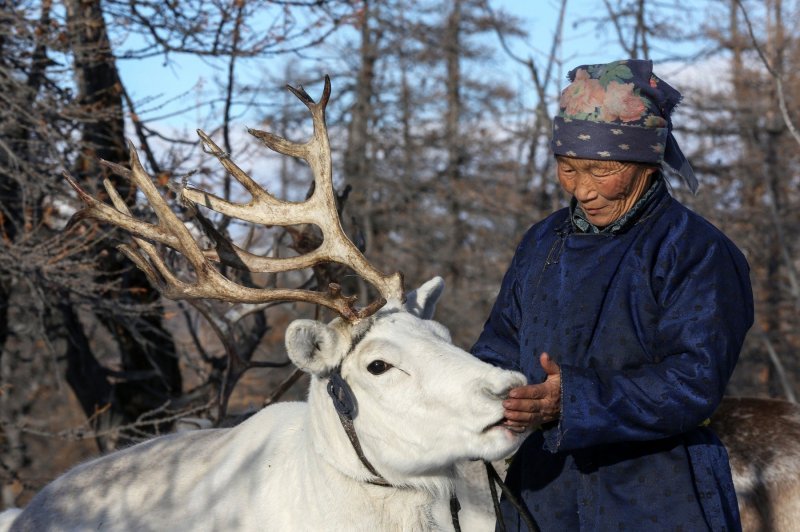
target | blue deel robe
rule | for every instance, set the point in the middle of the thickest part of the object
(646, 325)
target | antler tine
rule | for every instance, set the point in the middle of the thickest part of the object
(167, 219)
(98, 210)
(303, 96)
(262, 209)
(240, 175)
(279, 144)
(169, 231)
(116, 168)
(152, 265)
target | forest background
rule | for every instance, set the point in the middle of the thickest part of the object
(439, 123)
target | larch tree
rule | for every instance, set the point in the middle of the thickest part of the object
(74, 313)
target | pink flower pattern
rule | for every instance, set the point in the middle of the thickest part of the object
(586, 98)
(621, 103)
(584, 95)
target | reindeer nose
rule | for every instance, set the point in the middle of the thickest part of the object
(491, 393)
(498, 394)
(499, 386)
(498, 389)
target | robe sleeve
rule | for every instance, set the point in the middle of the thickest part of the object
(498, 344)
(705, 309)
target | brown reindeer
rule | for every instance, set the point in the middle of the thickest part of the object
(763, 441)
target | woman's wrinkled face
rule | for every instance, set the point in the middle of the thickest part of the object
(605, 190)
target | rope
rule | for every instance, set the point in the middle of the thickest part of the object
(530, 522)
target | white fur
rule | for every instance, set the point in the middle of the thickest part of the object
(291, 466)
(475, 496)
(7, 517)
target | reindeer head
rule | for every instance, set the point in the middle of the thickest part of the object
(420, 404)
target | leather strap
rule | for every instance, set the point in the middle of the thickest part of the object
(350, 430)
(344, 403)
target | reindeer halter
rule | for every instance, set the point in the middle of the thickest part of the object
(344, 401)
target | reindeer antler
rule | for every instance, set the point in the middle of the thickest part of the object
(263, 208)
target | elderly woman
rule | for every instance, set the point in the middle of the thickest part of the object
(627, 312)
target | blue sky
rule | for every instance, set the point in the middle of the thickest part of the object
(179, 84)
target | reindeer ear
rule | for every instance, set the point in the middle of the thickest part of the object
(422, 301)
(313, 346)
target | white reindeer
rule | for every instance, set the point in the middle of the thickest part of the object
(422, 406)
(392, 404)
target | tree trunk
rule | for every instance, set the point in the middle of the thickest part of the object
(144, 345)
(357, 164)
(453, 141)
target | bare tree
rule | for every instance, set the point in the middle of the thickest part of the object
(74, 313)
(746, 153)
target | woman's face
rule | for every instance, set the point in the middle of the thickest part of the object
(605, 190)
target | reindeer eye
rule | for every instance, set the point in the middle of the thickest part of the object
(377, 367)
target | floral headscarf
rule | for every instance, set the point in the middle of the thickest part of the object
(620, 111)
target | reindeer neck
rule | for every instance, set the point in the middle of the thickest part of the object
(331, 444)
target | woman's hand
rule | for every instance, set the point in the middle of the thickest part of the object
(532, 405)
